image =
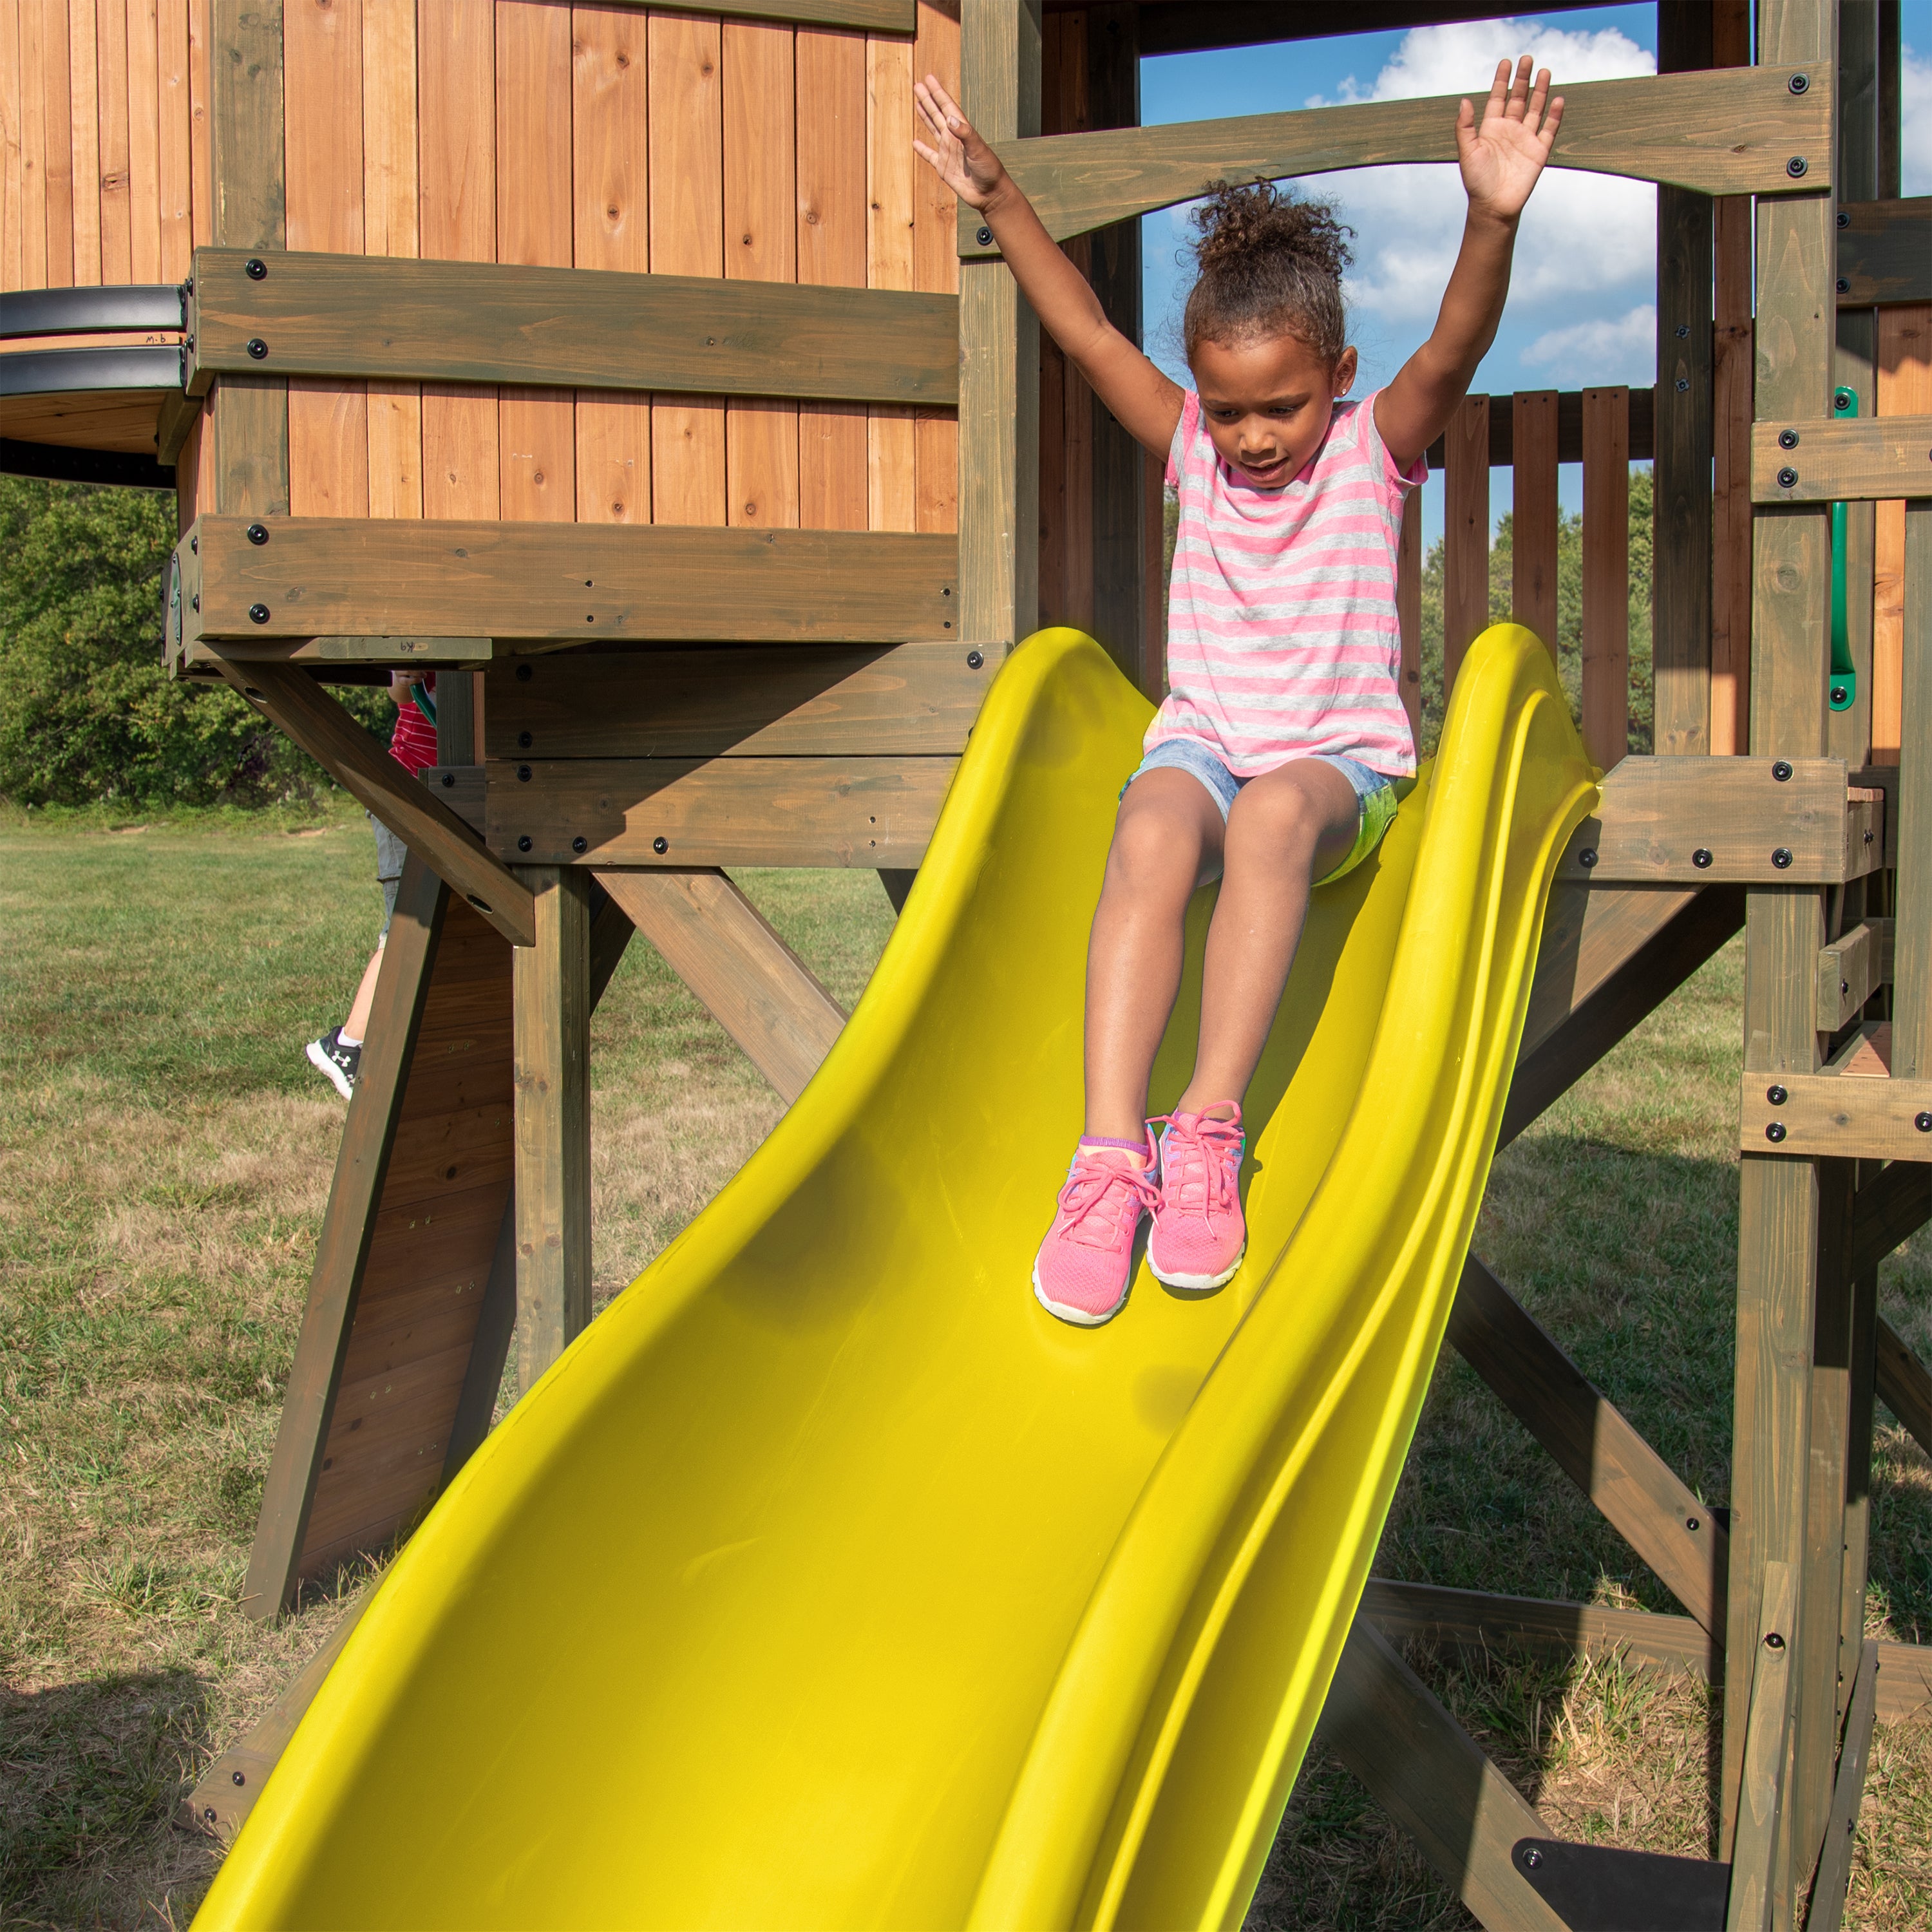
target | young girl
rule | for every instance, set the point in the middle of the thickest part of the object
(1274, 761)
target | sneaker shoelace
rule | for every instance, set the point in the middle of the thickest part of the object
(1202, 1160)
(1098, 1190)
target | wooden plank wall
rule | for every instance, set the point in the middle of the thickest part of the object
(531, 131)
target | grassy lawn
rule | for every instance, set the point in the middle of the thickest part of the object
(164, 1159)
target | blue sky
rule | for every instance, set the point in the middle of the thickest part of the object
(1581, 299)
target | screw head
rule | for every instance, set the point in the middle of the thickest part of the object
(1844, 220)
(240, 1777)
(257, 348)
(523, 843)
(449, 780)
(1798, 83)
(985, 237)
(1701, 859)
(1923, 1122)
(1840, 695)
(523, 673)
(207, 1814)
(1796, 167)
(660, 846)
(522, 774)
(1588, 856)
(1532, 1858)
(523, 740)
(1773, 1640)
(580, 845)
(258, 534)
(1684, 385)
(1774, 1132)
(196, 600)
(1781, 770)
(1777, 1096)
(1787, 478)
(194, 545)
(1787, 439)
(1844, 286)
(974, 660)
(255, 269)
(258, 614)
(1781, 858)
(1691, 1522)
(1683, 331)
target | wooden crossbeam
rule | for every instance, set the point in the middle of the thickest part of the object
(292, 701)
(1839, 1115)
(1831, 460)
(1904, 1383)
(404, 320)
(1885, 251)
(1851, 968)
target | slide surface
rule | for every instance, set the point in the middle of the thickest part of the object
(827, 1580)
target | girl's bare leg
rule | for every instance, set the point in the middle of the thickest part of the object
(356, 1026)
(1288, 828)
(1168, 833)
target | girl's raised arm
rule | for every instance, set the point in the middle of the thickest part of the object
(1141, 398)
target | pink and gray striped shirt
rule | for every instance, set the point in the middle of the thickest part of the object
(1282, 637)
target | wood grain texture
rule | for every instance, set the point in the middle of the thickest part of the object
(1431, 1776)
(867, 811)
(587, 584)
(1834, 1863)
(299, 706)
(1466, 560)
(935, 271)
(29, 45)
(1755, 1875)
(49, 39)
(1904, 1384)
(343, 1248)
(1911, 971)
(1681, 557)
(201, 123)
(1731, 507)
(1533, 516)
(12, 160)
(1903, 386)
(1593, 1443)
(609, 131)
(83, 122)
(881, 16)
(1836, 462)
(748, 979)
(845, 701)
(552, 996)
(1885, 251)
(246, 122)
(891, 456)
(144, 140)
(1727, 133)
(614, 457)
(1837, 1116)
(1605, 600)
(391, 227)
(1850, 970)
(110, 109)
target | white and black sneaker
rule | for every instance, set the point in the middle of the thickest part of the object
(329, 1055)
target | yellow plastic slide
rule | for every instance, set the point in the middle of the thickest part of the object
(828, 1580)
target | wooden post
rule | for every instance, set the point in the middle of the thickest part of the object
(1605, 574)
(1465, 559)
(1778, 1205)
(553, 1120)
(1681, 578)
(1756, 1888)
(1533, 519)
(999, 422)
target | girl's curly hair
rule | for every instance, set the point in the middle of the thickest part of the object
(1270, 265)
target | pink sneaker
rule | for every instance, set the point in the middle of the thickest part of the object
(1198, 1236)
(1084, 1266)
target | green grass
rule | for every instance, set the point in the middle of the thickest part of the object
(164, 1160)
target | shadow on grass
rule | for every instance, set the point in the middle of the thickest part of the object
(90, 1776)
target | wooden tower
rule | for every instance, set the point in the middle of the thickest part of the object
(619, 363)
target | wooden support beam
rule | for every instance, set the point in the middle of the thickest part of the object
(1834, 1875)
(553, 1121)
(395, 318)
(1829, 460)
(292, 701)
(1890, 1208)
(1571, 407)
(1851, 968)
(1904, 1384)
(1885, 251)
(1465, 561)
(1593, 1443)
(1731, 132)
(342, 1250)
(1606, 625)
(1533, 515)
(1836, 1116)
(1420, 1766)
(1755, 1875)
(1590, 933)
(750, 981)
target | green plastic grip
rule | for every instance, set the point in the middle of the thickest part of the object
(1844, 686)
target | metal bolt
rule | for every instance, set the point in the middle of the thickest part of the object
(1844, 987)
(1844, 399)
(1777, 1096)
(1588, 856)
(1781, 858)
(985, 237)
(255, 269)
(1923, 1122)
(1787, 439)
(974, 660)
(523, 740)
(258, 614)
(523, 673)
(1787, 478)
(1844, 288)
(1683, 330)
(522, 774)
(196, 600)
(1774, 1132)
(1684, 385)
(449, 780)
(1798, 83)
(1796, 167)
(257, 347)
(258, 533)
(1773, 1641)
(1691, 1522)
(1701, 858)
(208, 1813)
(240, 1777)
(580, 845)
(1840, 695)
(523, 843)
(1532, 1858)
(1781, 770)
(1844, 220)
(660, 846)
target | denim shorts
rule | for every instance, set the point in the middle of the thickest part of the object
(390, 853)
(1377, 796)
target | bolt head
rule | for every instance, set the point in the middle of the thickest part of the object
(1844, 286)
(1787, 439)
(1923, 1122)
(974, 660)
(660, 846)
(258, 614)
(1787, 478)
(1684, 385)
(523, 673)
(1683, 331)
(1773, 1640)
(449, 780)
(1844, 220)
(1799, 82)
(1532, 1858)
(523, 740)
(1774, 1132)
(258, 534)
(1587, 857)
(241, 1778)
(1781, 769)
(523, 843)
(580, 845)
(522, 774)
(1781, 858)
(255, 269)
(1777, 1096)
(1702, 858)
(984, 238)
(257, 348)
(1796, 167)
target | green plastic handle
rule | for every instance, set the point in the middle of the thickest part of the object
(1844, 687)
(426, 704)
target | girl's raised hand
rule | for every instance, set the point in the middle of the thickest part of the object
(1501, 159)
(957, 155)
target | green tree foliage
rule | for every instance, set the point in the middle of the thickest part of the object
(87, 713)
(1569, 613)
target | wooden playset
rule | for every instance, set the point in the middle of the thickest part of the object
(620, 365)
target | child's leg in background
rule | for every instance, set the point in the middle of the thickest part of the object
(1168, 837)
(1285, 829)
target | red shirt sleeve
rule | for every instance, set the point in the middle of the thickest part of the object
(413, 743)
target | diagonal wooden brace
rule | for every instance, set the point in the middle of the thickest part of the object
(292, 700)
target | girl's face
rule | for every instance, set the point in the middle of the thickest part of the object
(1266, 404)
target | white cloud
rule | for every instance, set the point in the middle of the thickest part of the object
(1461, 59)
(1606, 350)
(1916, 128)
